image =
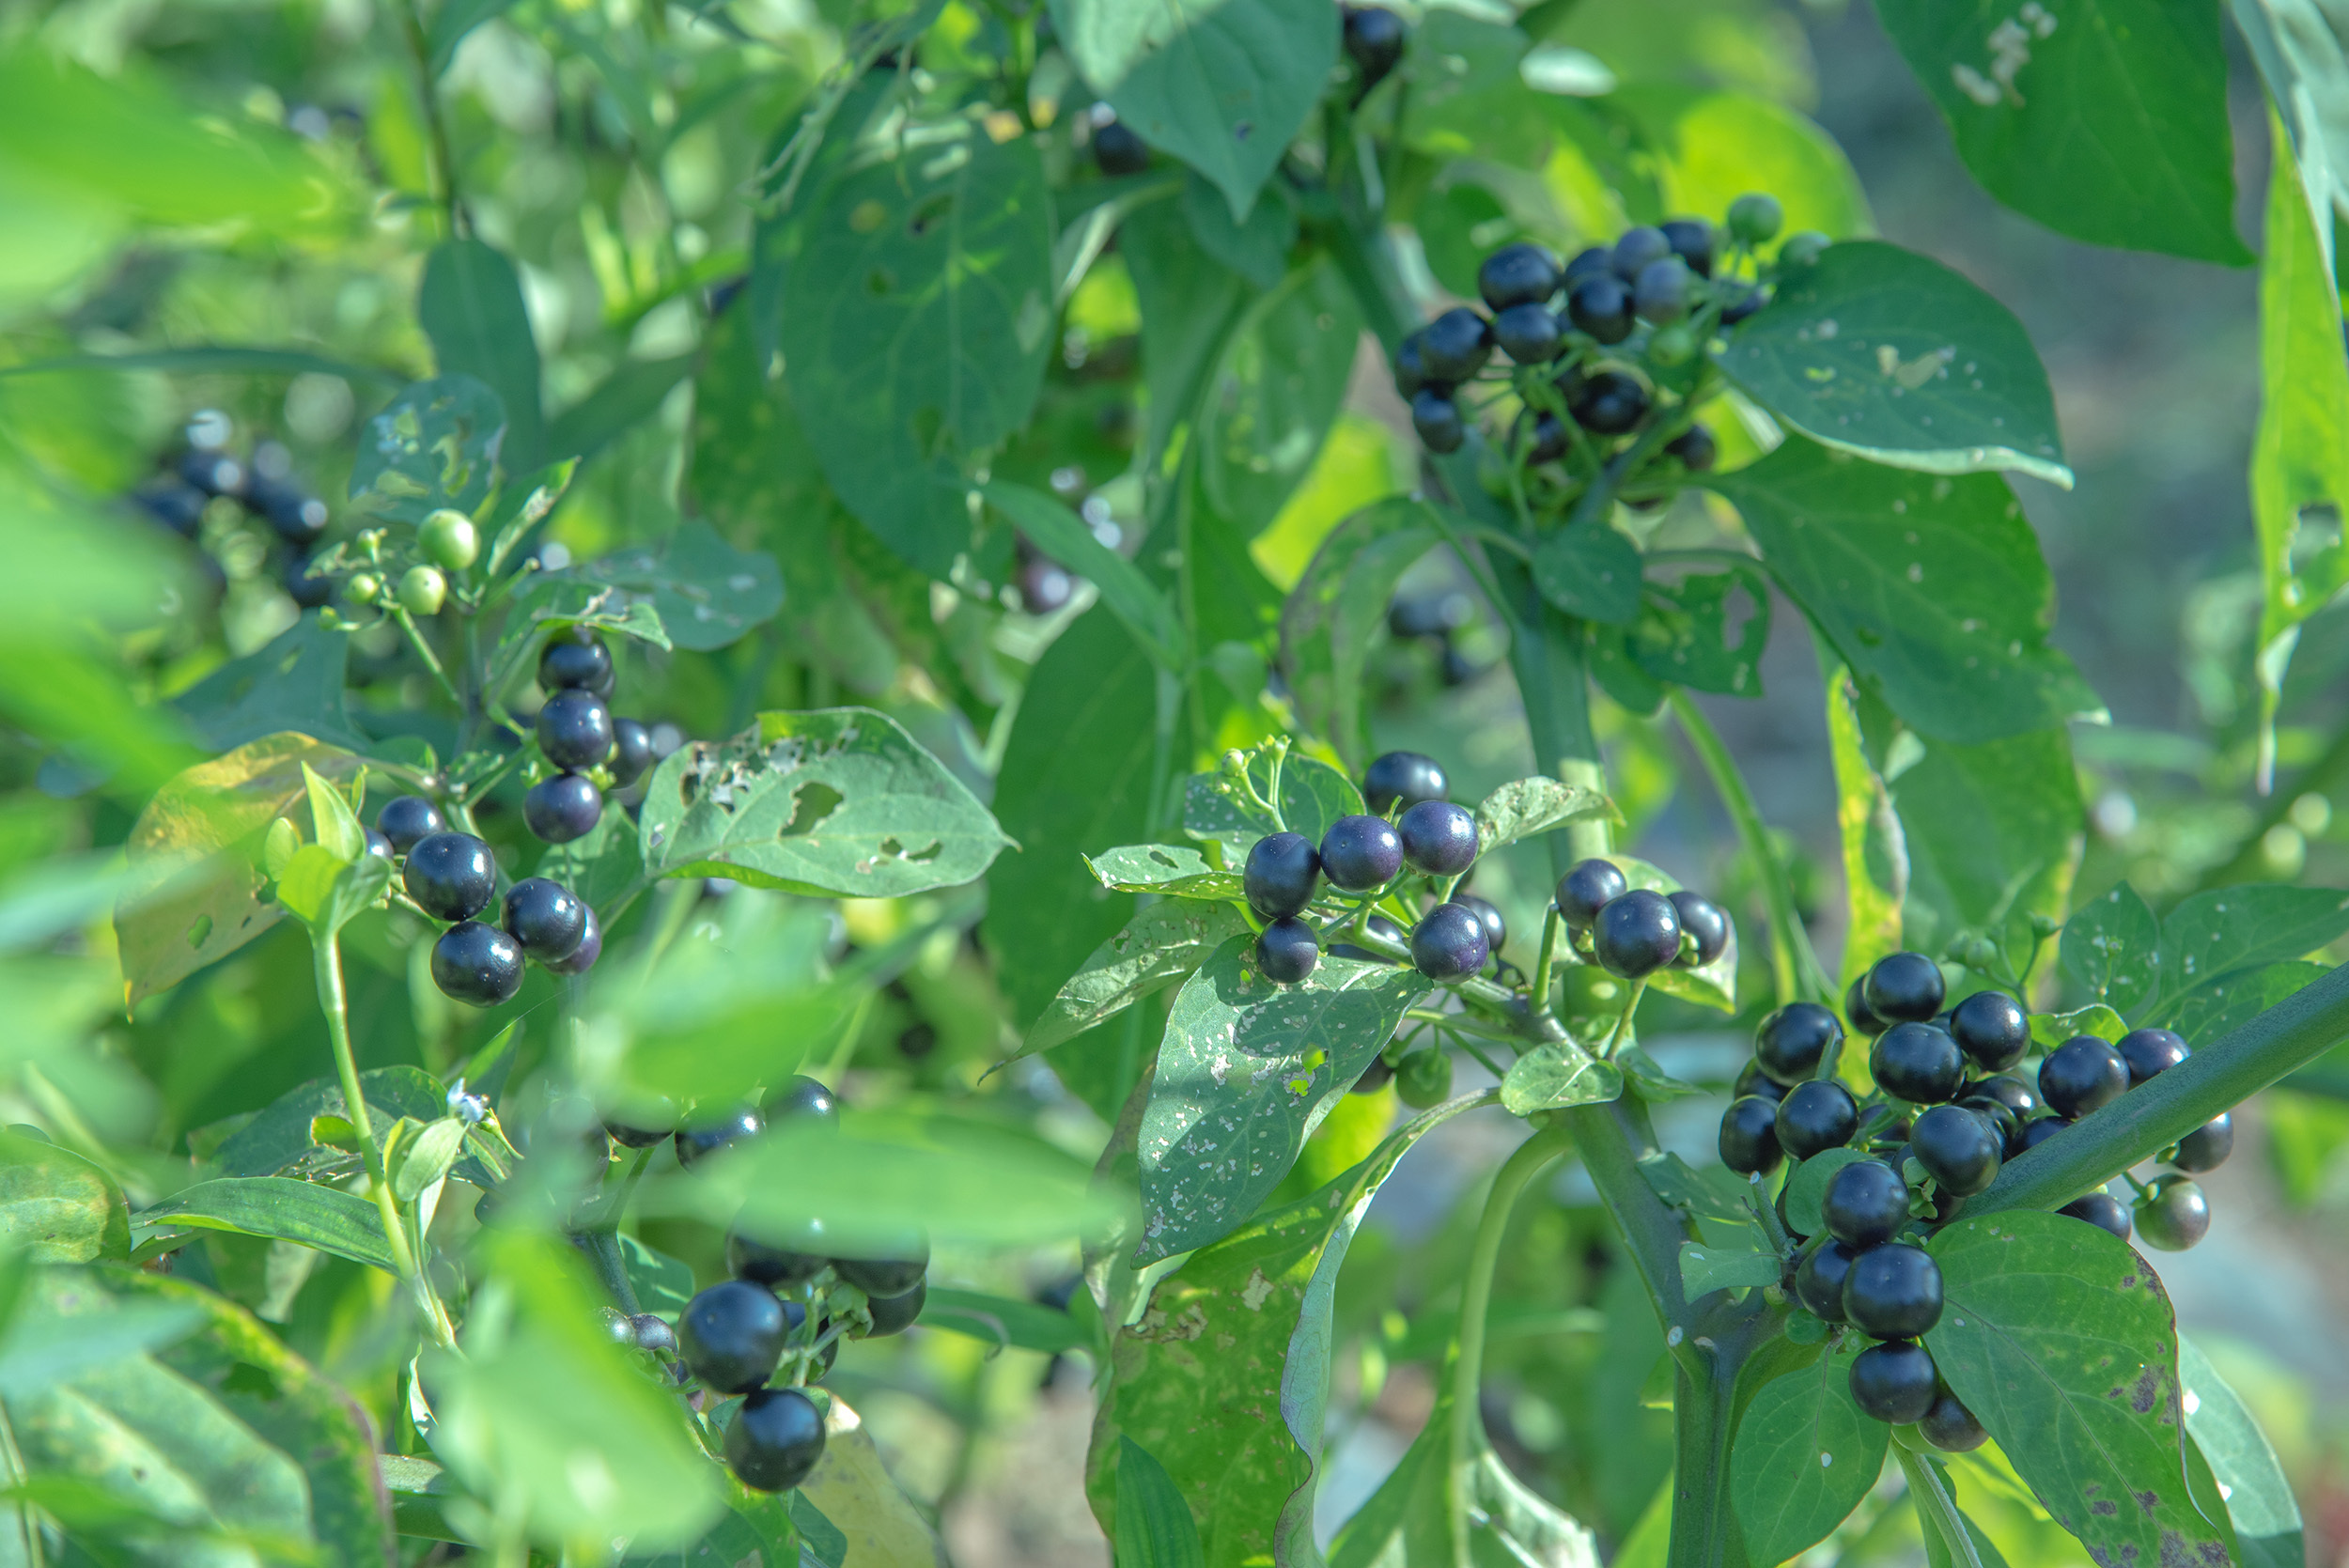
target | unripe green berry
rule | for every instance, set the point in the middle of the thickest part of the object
(450, 539)
(1424, 1077)
(1673, 345)
(1756, 217)
(363, 588)
(1802, 249)
(423, 590)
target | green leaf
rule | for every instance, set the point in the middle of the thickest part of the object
(471, 307)
(2112, 946)
(57, 1207)
(435, 444)
(1712, 1192)
(2218, 1007)
(1807, 1184)
(2299, 56)
(1644, 1073)
(2217, 932)
(836, 801)
(1468, 97)
(1713, 148)
(1880, 351)
(1340, 606)
(425, 1159)
(1932, 588)
(601, 866)
(1314, 795)
(1591, 571)
(2049, 1029)
(1246, 1070)
(280, 1135)
(1223, 87)
(1191, 305)
(2104, 119)
(1278, 389)
(1155, 1529)
(293, 683)
(819, 1535)
(1805, 1456)
(557, 603)
(335, 827)
(43, 1348)
(1003, 1322)
(1256, 249)
(325, 894)
(2258, 1496)
(662, 1284)
(1555, 1075)
(915, 324)
(1874, 850)
(2060, 1341)
(1705, 1270)
(1526, 808)
(1683, 635)
(1952, 1540)
(1163, 868)
(1064, 536)
(708, 595)
(326, 1218)
(1161, 945)
(630, 397)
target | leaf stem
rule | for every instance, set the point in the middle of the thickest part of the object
(424, 651)
(1936, 1509)
(1623, 1020)
(1538, 996)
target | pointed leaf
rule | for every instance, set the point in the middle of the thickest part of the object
(1176, 870)
(1556, 1075)
(707, 594)
(1705, 1270)
(1313, 796)
(1805, 1456)
(57, 1207)
(1067, 537)
(1155, 1529)
(1339, 607)
(280, 1134)
(324, 1218)
(471, 306)
(2112, 946)
(1591, 572)
(2215, 933)
(2258, 1496)
(1161, 945)
(1525, 808)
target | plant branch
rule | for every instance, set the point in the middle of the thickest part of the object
(429, 99)
(424, 651)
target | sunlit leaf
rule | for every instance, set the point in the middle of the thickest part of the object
(55, 1206)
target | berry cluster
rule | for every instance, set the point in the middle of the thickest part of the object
(261, 484)
(1632, 932)
(452, 876)
(576, 732)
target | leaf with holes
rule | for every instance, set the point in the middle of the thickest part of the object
(1339, 607)
(1163, 868)
(279, 1136)
(1805, 1456)
(1314, 795)
(2215, 933)
(2049, 1029)
(57, 1207)
(1247, 1068)
(707, 593)
(1708, 632)
(559, 603)
(435, 444)
(1526, 808)
(2112, 946)
(838, 802)
(2060, 1341)
(1162, 944)
(1591, 571)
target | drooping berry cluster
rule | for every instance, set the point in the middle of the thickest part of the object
(261, 484)
(1633, 932)
(577, 732)
(452, 876)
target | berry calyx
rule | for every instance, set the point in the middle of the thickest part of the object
(1992, 1029)
(563, 808)
(1403, 778)
(1438, 838)
(700, 1139)
(1705, 920)
(1893, 1291)
(575, 729)
(575, 660)
(1865, 1203)
(1905, 987)
(2174, 1214)
(1817, 1116)
(1588, 887)
(478, 964)
(1959, 1149)
(1287, 951)
(1756, 217)
(2206, 1147)
(423, 590)
(1359, 853)
(1896, 1381)
(545, 917)
(405, 818)
(1819, 1277)
(1449, 942)
(1454, 346)
(2101, 1209)
(2081, 1075)
(731, 1335)
(775, 1439)
(1279, 875)
(450, 539)
(1637, 934)
(1916, 1063)
(1793, 1040)
(450, 876)
(1423, 1078)
(1749, 1141)
(2151, 1052)
(582, 957)
(1950, 1427)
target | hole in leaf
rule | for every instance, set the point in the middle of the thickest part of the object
(929, 214)
(810, 804)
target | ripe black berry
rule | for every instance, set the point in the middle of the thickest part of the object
(545, 917)
(2081, 1075)
(1959, 1149)
(1865, 1203)
(895, 1314)
(1751, 1079)
(1437, 419)
(450, 876)
(1637, 934)
(1637, 248)
(1742, 301)
(1423, 1078)
(1601, 306)
(1375, 1078)
(575, 729)
(1455, 345)
(731, 1335)
(2206, 1147)
(1916, 1063)
(1893, 1291)
(1749, 1144)
(879, 1277)
(1814, 1116)
(1588, 887)
(1403, 778)
(1529, 334)
(1409, 373)
(1549, 443)
(1856, 1009)
(2010, 1092)
(1609, 403)
(2172, 1215)
(1905, 987)
(1279, 875)
(1519, 274)
(405, 818)
(1118, 151)
(1705, 920)
(777, 1437)
(1359, 853)
(748, 1258)
(2151, 1052)
(1950, 1427)
(562, 808)
(1287, 951)
(800, 1099)
(1496, 927)
(699, 1139)
(2003, 1123)
(2039, 1131)
(378, 845)
(1691, 240)
(1793, 1040)
(1895, 1382)
(1595, 262)
(576, 661)
(2100, 1208)
(1991, 1028)
(1374, 41)
(1819, 1277)
(1449, 942)
(631, 752)
(478, 964)
(1695, 447)
(582, 957)
(1438, 838)
(1661, 292)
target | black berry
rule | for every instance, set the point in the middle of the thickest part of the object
(1597, 262)
(2206, 1147)
(2000, 1117)
(1865, 1203)
(1817, 1116)
(1588, 887)
(1549, 441)
(563, 808)
(1893, 1291)
(800, 1099)
(1819, 1277)
(576, 661)
(1661, 292)
(879, 1277)
(1437, 419)
(1637, 934)
(2151, 1052)
(1118, 151)
(2039, 1131)
(2172, 1215)
(450, 876)
(1959, 1149)
(1905, 987)
(1411, 373)
(1950, 1427)
(2010, 1092)
(1044, 587)
(1636, 249)
(2081, 1075)
(649, 1332)
(731, 1335)
(1279, 875)
(1895, 1382)
(1705, 920)
(1359, 853)
(1695, 447)
(575, 729)
(1449, 942)
(1403, 778)
(748, 1258)
(895, 1314)
(1916, 1063)
(1741, 300)
(478, 964)
(631, 752)
(630, 1136)
(582, 957)
(1749, 1144)
(1374, 41)
(405, 818)
(1751, 1079)
(1455, 345)
(1287, 951)
(1609, 403)
(1992, 1029)
(1438, 838)
(1529, 334)
(380, 845)
(545, 917)
(1496, 927)
(1857, 1010)
(2100, 1208)
(1601, 306)
(1793, 1040)
(1691, 240)
(699, 1139)
(1519, 274)
(777, 1437)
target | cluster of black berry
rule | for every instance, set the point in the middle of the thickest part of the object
(452, 876)
(1632, 932)
(262, 484)
(576, 732)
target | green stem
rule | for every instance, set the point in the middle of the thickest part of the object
(424, 651)
(444, 172)
(1623, 1020)
(1936, 1508)
(1703, 1419)
(602, 1248)
(1538, 998)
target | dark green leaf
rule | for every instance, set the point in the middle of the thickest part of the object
(280, 1135)
(1161, 945)
(1705, 1270)
(1710, 1193)
(708, 593)
(1644, 1073)
(1064, 536)
(1708, 632)
(1314, 795)
(41, 1349)
(602, 865)
(2112, 946)
(1166, 868)
(1003, 1322)
(2060, 1341)
(1591, 571)
(2215, 933)
(628, 398)
(2218, 1007)
(1277, 392)
(2104, 119)
(556, 604)
(1155, 1529)
(1807, 1184)
(1556, 1075)
(1340, 606)
(1191, 305)
(819, 1535)
(471, 306)
(435, 444)
(293, 683)
(1257, 249)
(2258, 1496)
(57, 1207)
(324, 1218)
(1469, 97)
(1526, 808)
(1890, 354)
(663, 1283)
(1805, 1456)
(1618, 674)
(2049, 1029)
(1931, 587)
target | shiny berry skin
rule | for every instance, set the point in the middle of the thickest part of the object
(1695, 447)
(576, 661)
(895, 1314)
(1409, 373)
(699, 1139)
(2010, 1092)
(1691, 240)
(1601, 306)
(1865, 1205)
(1455, 345)
(562, 808)
(1856, 1009)
(2206, 1147)
(1523, 273)
(575, 729)
(1756, 217)
(2151, 1052)
(545, 917)
(448, 539)
(1916, 1063)
(1793, 1040)
(582, 957)
(1637, 248)
(1529, 334)
(1374, 39)
(631, 752)
(879, 1277)
(405, 818)
(1893, 1291)
(1423, 1078)
(1705, 920)
(1403, 778)
(1118, 151)
(1549, 441)
(1749, 1143)
(1905, 987)
(2003, 1123)
(628, 1136)
(378, 845)
(748, 1258)
(774, 1440)
(1279, 875)
(1950, 1427)
(1751, 1079)
(1992, 1029)
(1496, 925)
(2100, 1208)
(1636, 935)
(1661, 292)
(1449, 942)
(1895, 1382)
(1960, 1150)
(1595, 262)
(1819, 1277)
(1438, 838)
(800, 1100)
(2081, 1075)
(1044, 587)
(1817, 1116)
(450, 876)
(1437, 419)
(1287, 951)
(2039, 1131)
(478, 964)
(2173, 1215)
(1588, 887)
(1609, 403)
(1359, 853)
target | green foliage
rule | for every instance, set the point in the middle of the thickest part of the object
(1805, 1456)
(57, 1207)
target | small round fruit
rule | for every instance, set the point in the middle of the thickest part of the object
(1592, 261)
(423, 590)
(1044, 586)
(1529, 334)
(1410, 373)
(1756, 217)
(1437, 419)
(308, 592)
(881, 1277)
(1905, 987)
(1739, 301)
(748, 1258)
(631, 752)
(1893, 1291)
(1895, 1382)
(1403, 778)
(1374, 41)
(1960, 1150)
(1359, 853)
(2206, 1147)
(378, 845)
(2038, 1131)
(405, 818)
(1672, 346)
(582, 957)
(2003, 1123)
(2010, 1092)
(1950, 1427)
(1751, 1079)
(363, 588)
(1449, 942)
(1637, 934)
(800, 1100)
(478, 964)
(1609, 403)
(545, 917)
(1496, 925)
(1865, 1203)
(575, 729)
(1588, 887)
(1661, 292)
(1705, 920)
(2081, 1075)
(1279, 875)
(1637, 248)
(1803, 248)
(1118, 151)
(1695, 447)
(630, 1136)
(1423, 1078)
(575, 660)
(699, 1139)
(1817, 1116)
(1749, 1144)
(2100, 1208)
(1856, 1009)
(1456, 346)
(2151, 1052)
(1819, 1277)
(450, 876)
(2172, 1215)
(1793, 1040)
(1992, 1029)
(1438, 838)
(1519, 274)
(1916, 1063)
(1601, 306)
(562, 808)
(450, 539)
(1691, 240)
(776, 1438)
(895, 1314)
(1548, 444)
(1287, 951)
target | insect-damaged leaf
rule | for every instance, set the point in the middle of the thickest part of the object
(1159, 946)
(1175, 869)
(1313, 796)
